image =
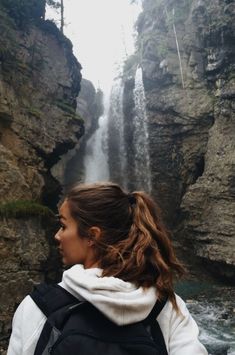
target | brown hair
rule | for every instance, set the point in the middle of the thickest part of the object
(134, 244)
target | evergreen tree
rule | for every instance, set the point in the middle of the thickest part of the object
(58, 5)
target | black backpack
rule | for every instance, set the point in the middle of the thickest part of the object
(78, 328)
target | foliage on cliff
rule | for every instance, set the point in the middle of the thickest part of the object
(24, 208)
(39, 84)
(24, 11)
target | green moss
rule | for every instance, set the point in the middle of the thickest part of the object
(65, 107)
(24, 208)
(76, 117)
(34, 112)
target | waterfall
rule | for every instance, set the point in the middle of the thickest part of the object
(96, 152)
(110, 136)
(176, 42)
(178, 50)
(116, 134)
(141, 137)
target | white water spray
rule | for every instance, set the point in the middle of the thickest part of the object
(141, 137)
(116, 122)
(178, 49)
(96, 153)
(176, 42)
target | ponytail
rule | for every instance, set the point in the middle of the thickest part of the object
(134, 244)
(154, 249)
(147, 256)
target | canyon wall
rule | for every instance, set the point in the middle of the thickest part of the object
(39, 84)
(186, 51)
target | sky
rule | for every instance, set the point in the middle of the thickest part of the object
(102, 34)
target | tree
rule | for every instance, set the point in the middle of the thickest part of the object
(62, 16)
(53, 3)
(58, 5)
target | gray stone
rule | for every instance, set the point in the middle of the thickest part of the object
(191, 129)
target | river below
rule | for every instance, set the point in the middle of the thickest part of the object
(213, 308)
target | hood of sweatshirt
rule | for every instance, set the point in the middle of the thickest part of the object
(122, 302)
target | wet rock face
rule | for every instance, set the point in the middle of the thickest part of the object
(23, 247)
(208, 206)
(26, 258)
(70, 168)
(187, 56)
(39, 83)
(90, 105)
(38, 90)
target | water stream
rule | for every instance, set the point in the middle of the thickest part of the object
(212, 306)
(96, 152)
(140, 133)
(116, 130)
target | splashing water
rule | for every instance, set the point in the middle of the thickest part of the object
(96, 153)
(212, 307)
(141, 136)
(116, 130)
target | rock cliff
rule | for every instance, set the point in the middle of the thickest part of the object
(39, 84)
(70, 168)
(186, 51)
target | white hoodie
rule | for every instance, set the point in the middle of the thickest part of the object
(120, 301)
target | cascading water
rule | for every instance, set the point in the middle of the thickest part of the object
(97, 165)
(116, 133)
(96, 152)
(178, 50)
(140, 137)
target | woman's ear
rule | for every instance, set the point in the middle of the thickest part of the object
(94, 234)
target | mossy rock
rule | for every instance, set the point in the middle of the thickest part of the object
(34, 112)
(64, 106)
(76, 117)
(131, 63)
(24, 209)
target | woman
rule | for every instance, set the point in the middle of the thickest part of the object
(122, 261)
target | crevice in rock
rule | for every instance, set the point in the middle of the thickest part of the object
(51, 191)
(220, 271)
(60, 149)
(52, 267)
(5, 119)
(199, 169)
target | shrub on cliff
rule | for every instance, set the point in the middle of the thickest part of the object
(24, 209)
(23, 11)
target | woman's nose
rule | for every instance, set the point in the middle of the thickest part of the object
(57, 236)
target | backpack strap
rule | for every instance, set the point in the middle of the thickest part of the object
(50, 298)
(155, 329)
(156, 310)
(56, 303)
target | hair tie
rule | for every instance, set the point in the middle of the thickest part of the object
(131, 199)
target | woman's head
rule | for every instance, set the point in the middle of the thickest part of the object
(123, 234)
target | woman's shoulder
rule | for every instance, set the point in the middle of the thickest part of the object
(27, 305)
(179, 329)
(27, 324)
(169, 311)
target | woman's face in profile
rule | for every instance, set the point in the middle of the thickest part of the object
(73, 248)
